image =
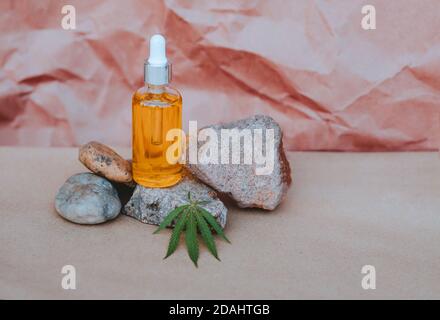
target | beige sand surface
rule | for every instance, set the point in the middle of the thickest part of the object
(345, 210)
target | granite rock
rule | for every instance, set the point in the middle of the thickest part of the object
(105, 162)
(240, 181)
(151, 205)
(86, 198)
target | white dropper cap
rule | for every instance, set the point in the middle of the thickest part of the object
(157, 70)
(158, 55)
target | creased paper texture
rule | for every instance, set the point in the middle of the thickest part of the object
(309, 64)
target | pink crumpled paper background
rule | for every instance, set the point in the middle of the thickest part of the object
(330, 84)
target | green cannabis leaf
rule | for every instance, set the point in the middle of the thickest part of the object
(192, 218)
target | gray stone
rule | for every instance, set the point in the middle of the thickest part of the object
(240, 181)
(87, 199)
(151, 205)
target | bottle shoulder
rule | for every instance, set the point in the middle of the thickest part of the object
(163, 90)
(168, 93)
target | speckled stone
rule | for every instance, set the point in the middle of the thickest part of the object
(240, 181)
(105, 162)
(151, 205)
(86, 198)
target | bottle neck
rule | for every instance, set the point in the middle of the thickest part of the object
(154, 88)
